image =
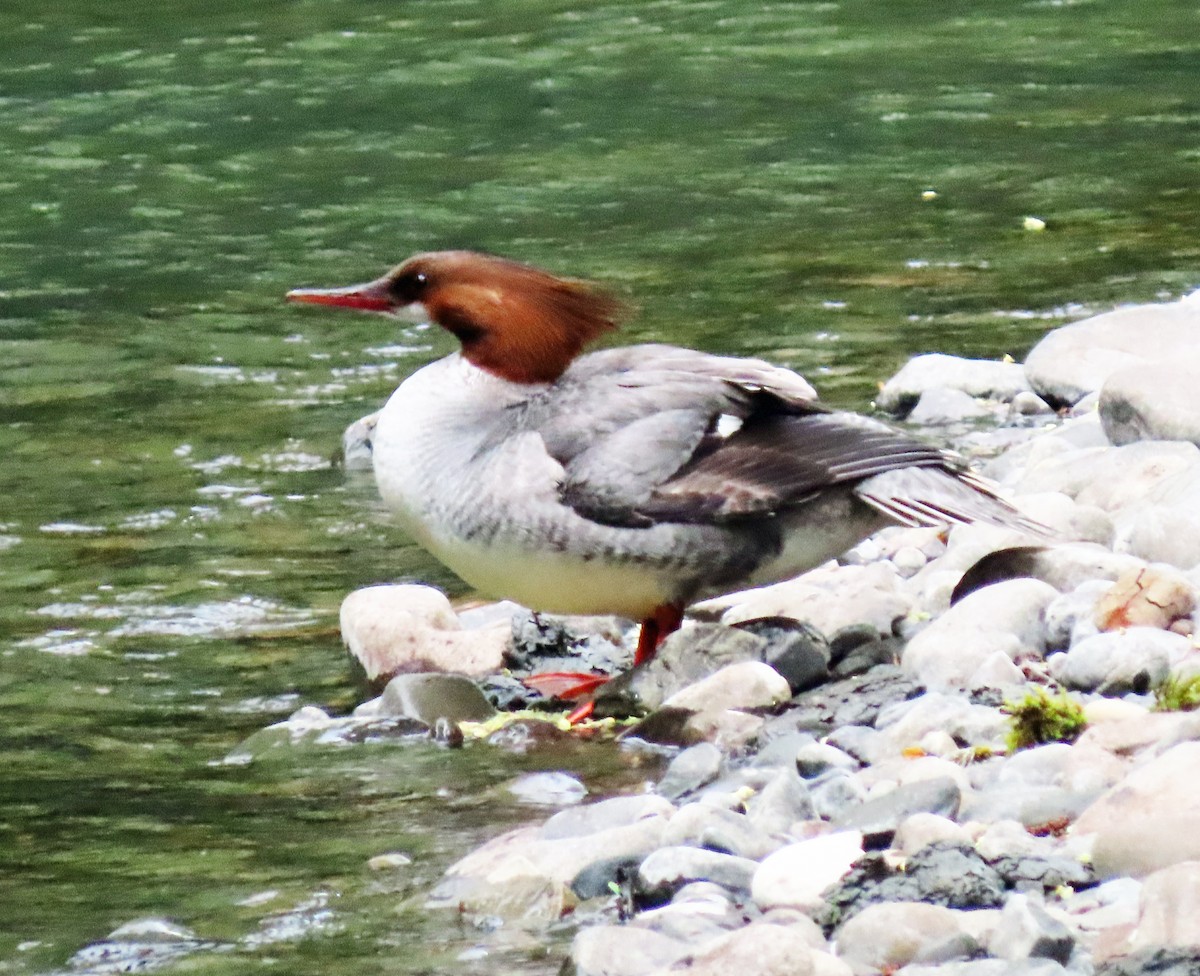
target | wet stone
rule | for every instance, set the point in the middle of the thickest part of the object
(428, 697)
(548, 789)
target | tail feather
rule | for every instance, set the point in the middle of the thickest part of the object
(930, 496)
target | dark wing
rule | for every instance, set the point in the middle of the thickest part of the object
(779, 459)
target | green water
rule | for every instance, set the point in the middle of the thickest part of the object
(174, 542)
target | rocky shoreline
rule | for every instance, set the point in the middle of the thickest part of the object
(967, 752)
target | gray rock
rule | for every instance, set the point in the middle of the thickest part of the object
(922, 829)
(669, 868)
(856, 700)
(428, 697)
(829, 598)
(836, 792)
(1040, 875)
(1108, 477)
(860, 741)
(797, 650)
(686, 656)
(1069, 520)
(1138, 659)
(1075, 360)
(719, 829)
(1110, 906)
(1028, 404)
(1127, 475)
(817, 758)
(690, 770)
(878, 818)
(1027, 930)
(598, 879)
(1071, 617)
(784, 801)
(941, 405)
(905, 724)
(976, 377)
(940, 874)
(522, 875)
(693, 920)
(1032, 806)
(1153, 401)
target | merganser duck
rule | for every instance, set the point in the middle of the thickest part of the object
(629, 481)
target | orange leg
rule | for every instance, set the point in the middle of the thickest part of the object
(655, 629)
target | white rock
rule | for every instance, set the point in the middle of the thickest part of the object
(885, 936)
(615, 950)
(1076, 359)
(830, 598)
(1004, 617)
(1147, 821)
(906, 723)
(1027, 930)
(922, 829)
(747, 684)
(1137, 659)
(976, 377)
(759, 948)
(1153, 401)
(794, 876)
(407, 628)
(1170, 908)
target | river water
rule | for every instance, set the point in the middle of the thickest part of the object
(833, 185)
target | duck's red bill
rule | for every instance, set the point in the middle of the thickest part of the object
(371, 297)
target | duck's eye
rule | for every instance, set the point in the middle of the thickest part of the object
(408, 287)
